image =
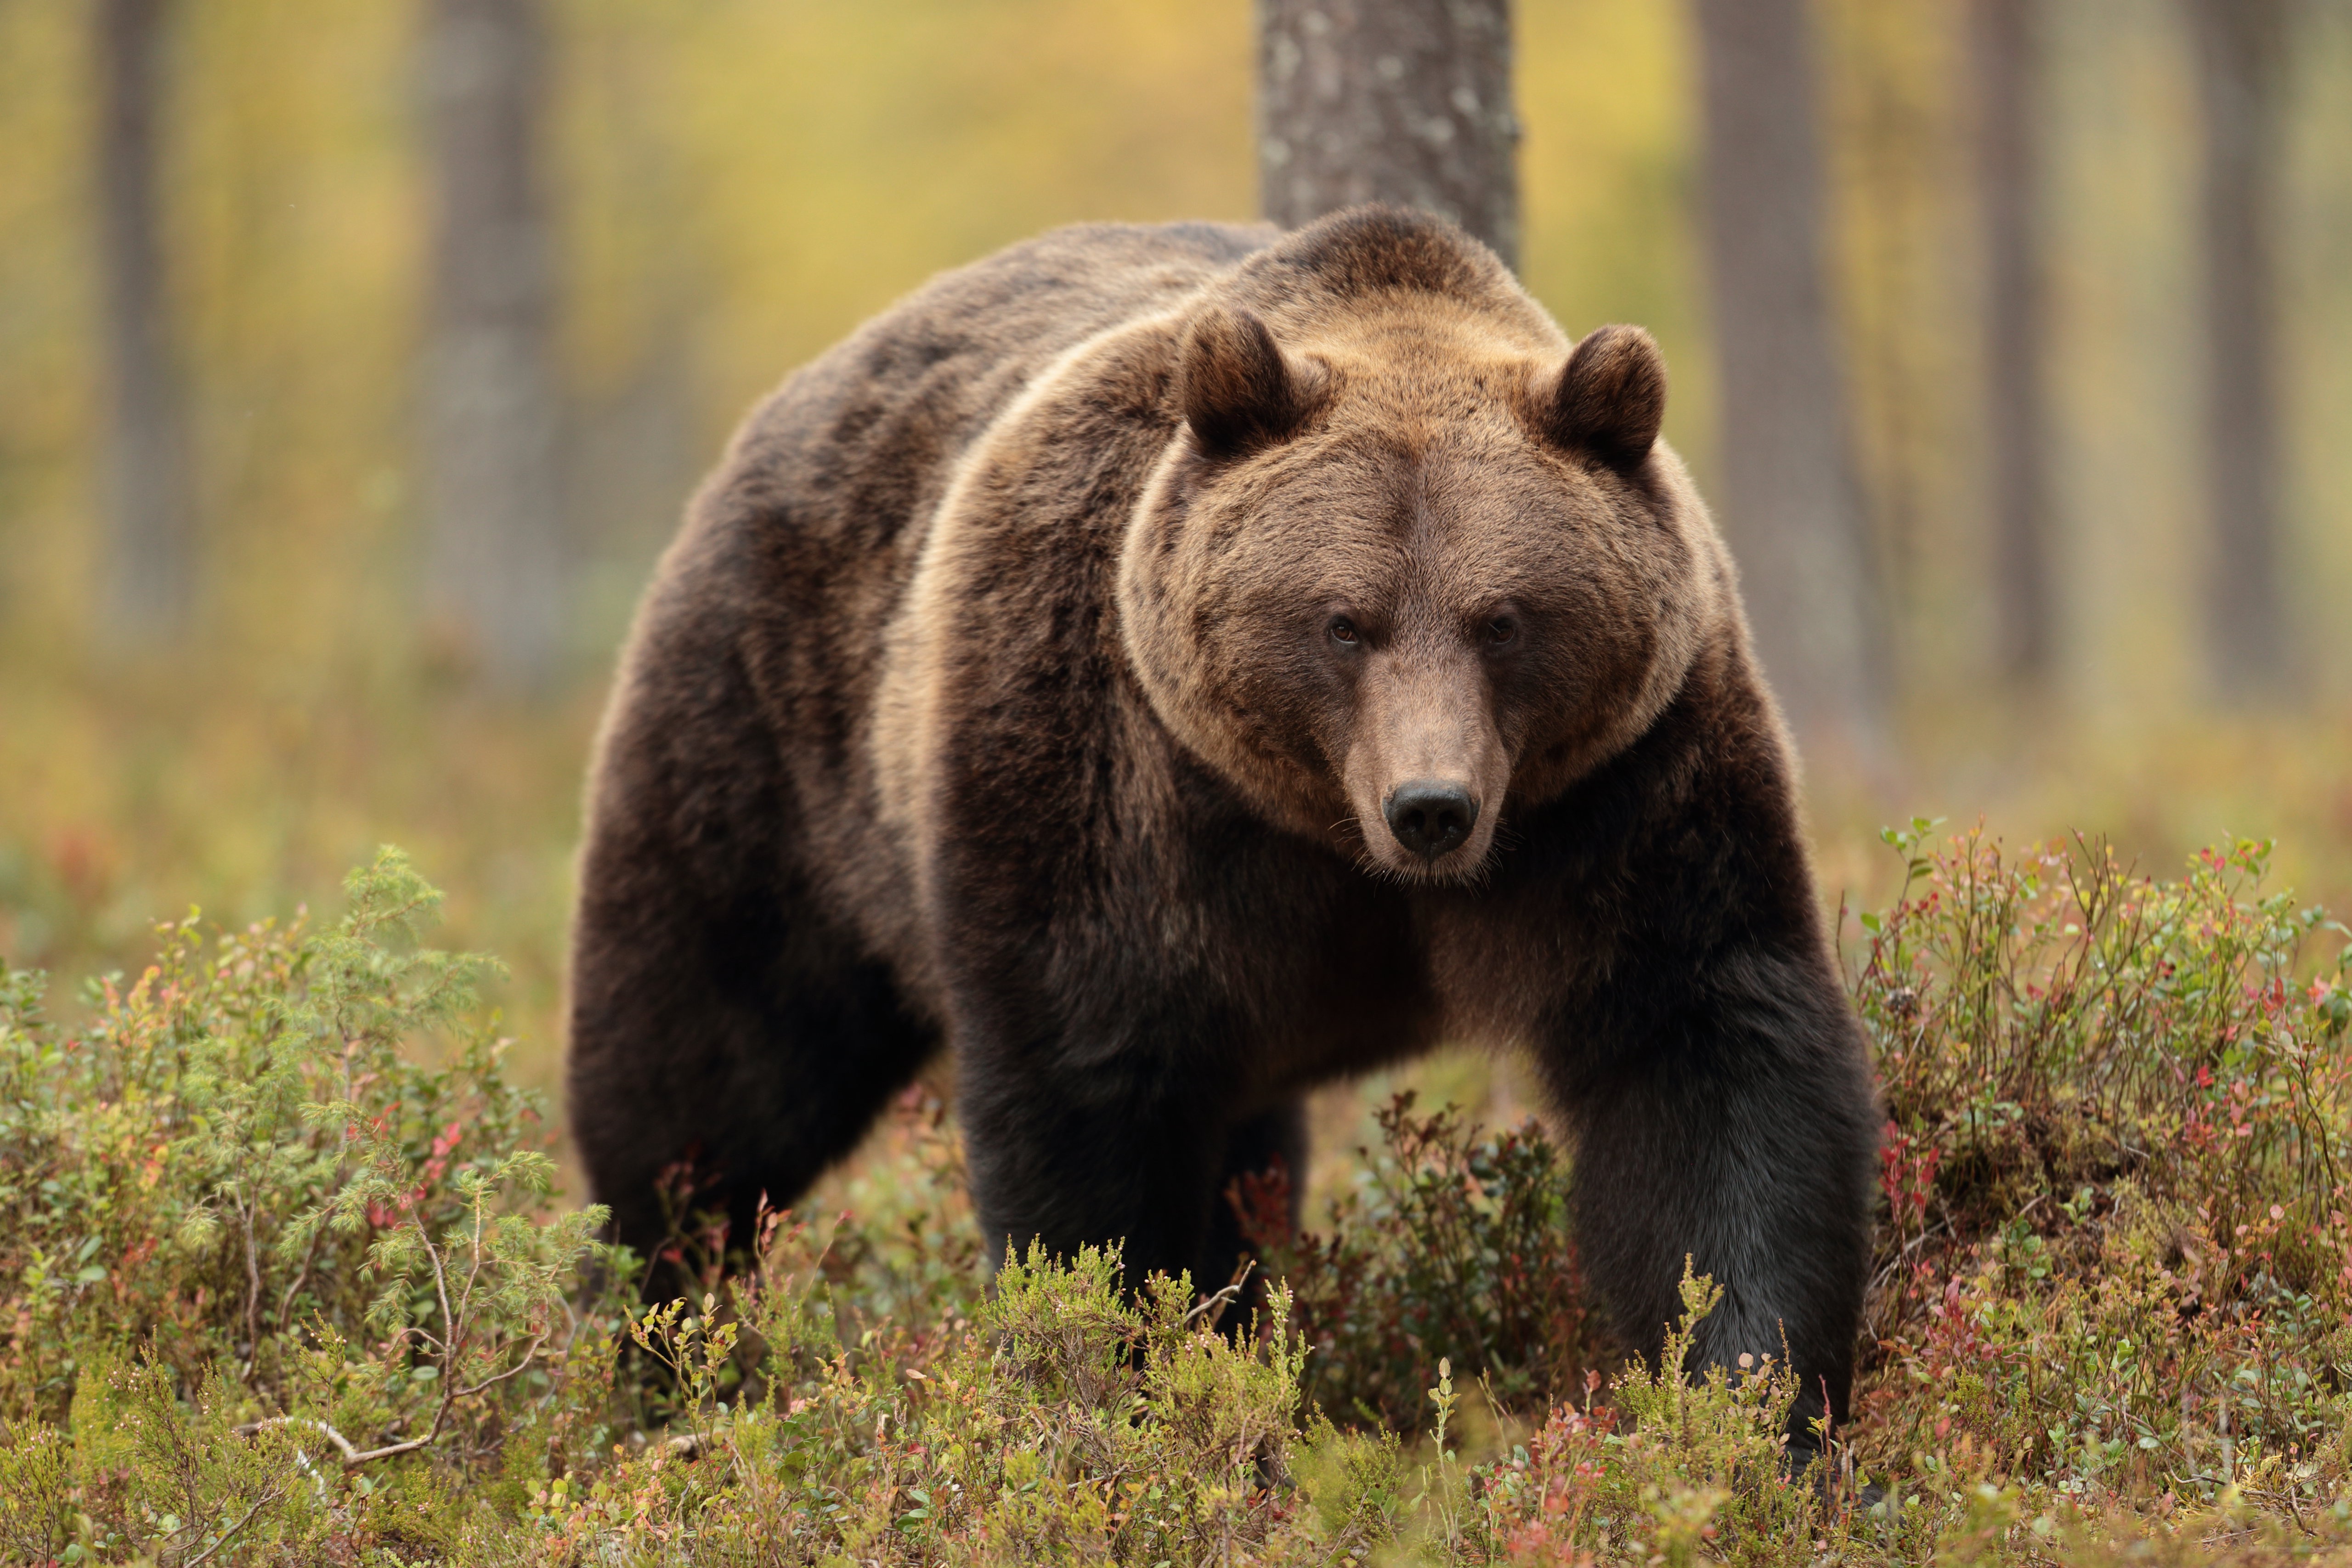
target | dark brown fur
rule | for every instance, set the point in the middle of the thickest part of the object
(1034, 677)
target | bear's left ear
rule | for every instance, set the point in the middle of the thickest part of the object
(1609, 399)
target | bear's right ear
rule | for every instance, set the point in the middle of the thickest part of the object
(1238, 390)
(1610, 398)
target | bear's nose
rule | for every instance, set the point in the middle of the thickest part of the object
(1430, 817)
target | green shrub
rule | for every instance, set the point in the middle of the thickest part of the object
(2117, 1254)
(1450, 1244)
(281, 1282)
(239, 1160)
(240, 1188)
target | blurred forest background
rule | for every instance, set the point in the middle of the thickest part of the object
(2086, 268)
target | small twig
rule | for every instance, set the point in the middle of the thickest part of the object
(252, 1290)
(392, 1450)
(1221, 1299)
(530, 1351)
(452, 1341)
(441, 1292)
(310, 1255)
(264, 1500)
(449, 1397)
(341, 1443)
(354, 1457)
(465, 1295)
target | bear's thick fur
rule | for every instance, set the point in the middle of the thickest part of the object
(1172, 668)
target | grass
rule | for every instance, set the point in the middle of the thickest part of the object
(281, 1280)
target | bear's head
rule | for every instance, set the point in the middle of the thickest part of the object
(1410, 562)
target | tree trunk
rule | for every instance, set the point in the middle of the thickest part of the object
(2017, 414)
(148, 566)
(498, 564)
(2240, 52)
(1789, 506)
(1407, 102)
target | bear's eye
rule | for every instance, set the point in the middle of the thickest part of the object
(1502, 629)
(1343, 630)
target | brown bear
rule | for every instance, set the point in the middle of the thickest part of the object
(1171, 667)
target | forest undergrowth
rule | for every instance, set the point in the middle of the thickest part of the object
(282, 1280)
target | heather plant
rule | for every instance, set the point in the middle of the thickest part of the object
(1061, 1419)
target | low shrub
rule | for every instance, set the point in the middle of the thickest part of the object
(246, 1185)
(280, 1281)
(2117, 1255)
(1451, 1244)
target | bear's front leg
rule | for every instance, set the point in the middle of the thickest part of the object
(1724, 1117)
(1133, 1150)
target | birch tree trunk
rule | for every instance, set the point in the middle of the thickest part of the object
(1406, 102)
(498, 565)
(149, 565)
(2017, 412)
(2241, 53)
(1789, 498)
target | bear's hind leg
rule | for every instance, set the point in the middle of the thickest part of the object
(720, 1057)
(724, 1028)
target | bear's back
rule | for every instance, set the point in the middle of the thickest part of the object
(861, 441)
(798, 548)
